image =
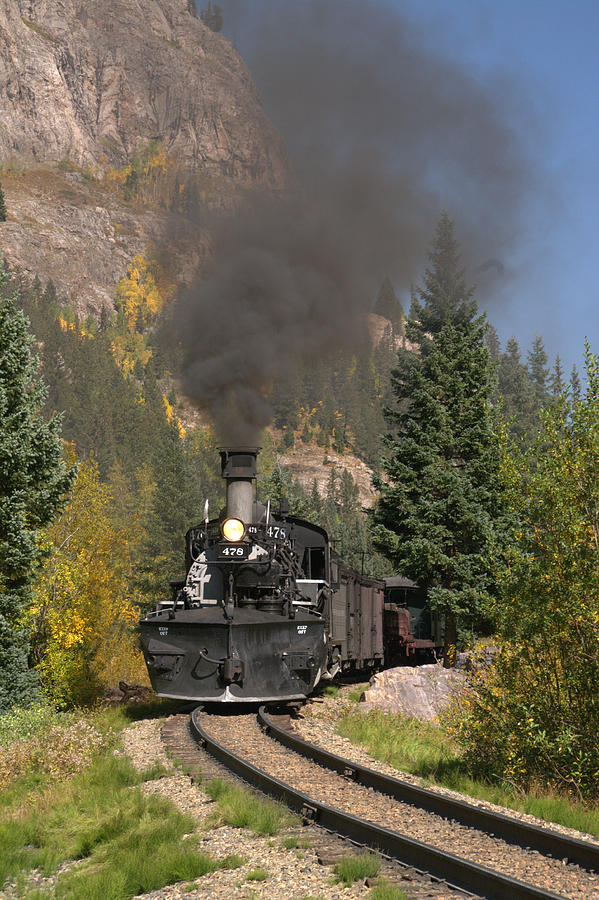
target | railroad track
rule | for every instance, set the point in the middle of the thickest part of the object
(468, 848)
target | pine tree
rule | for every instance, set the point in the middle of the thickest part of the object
(33, 481)
(3, 212)
(435, 515)
(212, 16)
(176, 505)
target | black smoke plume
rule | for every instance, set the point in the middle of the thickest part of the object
(383, 134)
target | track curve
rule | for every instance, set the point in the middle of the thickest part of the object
(223, 736)
(512, 830)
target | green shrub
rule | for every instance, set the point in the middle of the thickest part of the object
(40, 740)
(534, 719)
(25, 722)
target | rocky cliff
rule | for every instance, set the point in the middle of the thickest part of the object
(87, 84)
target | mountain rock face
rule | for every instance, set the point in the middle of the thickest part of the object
(89, 80)
(84, 85)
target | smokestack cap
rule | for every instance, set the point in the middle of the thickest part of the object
(238, 462)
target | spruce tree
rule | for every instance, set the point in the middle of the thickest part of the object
(388, 305)
(492, 339)
(33, 481)
(556, 380)
(517, 392)
(3, 212)
(538, 371)
(439, 499)
(575, 388)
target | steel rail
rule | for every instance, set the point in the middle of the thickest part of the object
(446, 867)
(511, 830)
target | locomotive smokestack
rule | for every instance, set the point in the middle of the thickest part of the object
(239, 468)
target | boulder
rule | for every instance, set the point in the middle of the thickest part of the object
(417, 692)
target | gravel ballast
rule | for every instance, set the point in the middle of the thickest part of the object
(292, 874)
(317, 724)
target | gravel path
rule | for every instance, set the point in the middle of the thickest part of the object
(317, 723)
(527, 865)
(292, 874)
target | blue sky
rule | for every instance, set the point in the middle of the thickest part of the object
(552, 46)
(541, 57)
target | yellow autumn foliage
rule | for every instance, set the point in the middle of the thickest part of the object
(129, 349)
(82, 611)
(137, 294)
(170, 417)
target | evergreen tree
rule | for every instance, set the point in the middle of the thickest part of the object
(575, 387)
(3, 212)
(492, 339)
(176, 504)
(33, 481)
(437, 509)
(517, 392)
(389, 306)
(538, 371)
(212, 16)
(556, 380)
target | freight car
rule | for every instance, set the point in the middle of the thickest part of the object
(266, 609)
(413, 633)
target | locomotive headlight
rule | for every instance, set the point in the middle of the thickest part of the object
(233, 529)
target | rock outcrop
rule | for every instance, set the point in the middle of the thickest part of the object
(84, 85)
(420, 692)
(306, 462)
(89, 80)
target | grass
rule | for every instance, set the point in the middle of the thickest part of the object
(89, 809)
(257, 875)
(243, 809)
(356, 868)
(331, 690)
(293, 842)
(423, 749)
(129, 843)
(384, 890)
(357, 692)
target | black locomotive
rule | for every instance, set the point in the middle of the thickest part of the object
(267, 608)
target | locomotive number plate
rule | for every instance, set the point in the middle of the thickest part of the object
(232, 551)
(274, 532)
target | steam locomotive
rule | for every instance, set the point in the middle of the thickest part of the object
(267, 608)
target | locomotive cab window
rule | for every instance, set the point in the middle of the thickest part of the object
(313, 563)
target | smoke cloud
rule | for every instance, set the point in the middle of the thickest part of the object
(383, 135)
